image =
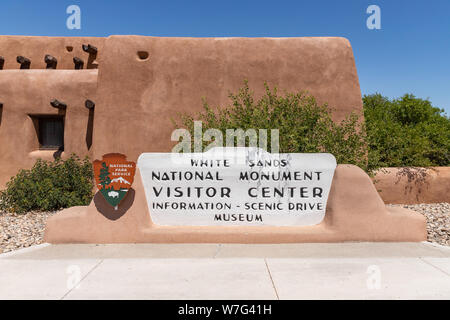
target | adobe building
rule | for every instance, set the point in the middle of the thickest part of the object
(92, 96)
(95, 96)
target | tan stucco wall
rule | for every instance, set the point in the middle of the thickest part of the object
(136, 99)
(413, 185)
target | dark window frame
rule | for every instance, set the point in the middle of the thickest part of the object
(40, 125)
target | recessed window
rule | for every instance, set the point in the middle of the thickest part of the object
(51, 132)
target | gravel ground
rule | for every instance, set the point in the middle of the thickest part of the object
(21, 231)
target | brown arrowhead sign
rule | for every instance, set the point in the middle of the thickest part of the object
(114, 176)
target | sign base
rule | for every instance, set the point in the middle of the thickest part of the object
(355, 212)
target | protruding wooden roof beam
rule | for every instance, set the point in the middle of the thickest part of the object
(79, 63)
(58, 104)
(89, 49)
(25, 63)
(51, 61)
(90, 104)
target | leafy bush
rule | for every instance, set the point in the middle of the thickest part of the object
(406, 132)
(49, 185)
(304, 126)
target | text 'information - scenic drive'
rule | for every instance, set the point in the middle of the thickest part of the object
(237, 186)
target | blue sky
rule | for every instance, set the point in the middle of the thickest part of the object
(410, 54)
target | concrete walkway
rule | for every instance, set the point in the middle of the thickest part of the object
(214, 271)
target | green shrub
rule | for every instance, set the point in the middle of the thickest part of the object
(406, 132)
(49, 185)
(304, 126)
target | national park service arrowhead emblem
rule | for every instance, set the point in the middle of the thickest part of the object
(114, 176)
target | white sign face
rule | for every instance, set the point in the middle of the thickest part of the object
(237, 186)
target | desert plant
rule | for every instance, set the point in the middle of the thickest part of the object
(49, 186)
(303, 124)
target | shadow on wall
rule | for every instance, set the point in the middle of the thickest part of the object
(58, 153)
(90, 129)
(414, 176)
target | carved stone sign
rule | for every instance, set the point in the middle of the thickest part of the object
(237, 186)
(114, 176)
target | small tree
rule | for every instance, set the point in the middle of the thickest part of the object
(407, 131)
